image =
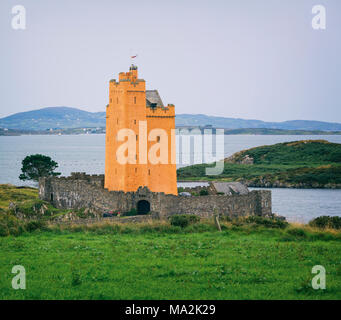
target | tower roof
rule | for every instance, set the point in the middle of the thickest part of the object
(153, 97)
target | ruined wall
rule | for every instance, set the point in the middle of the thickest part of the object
(254, 203)
(84, 191)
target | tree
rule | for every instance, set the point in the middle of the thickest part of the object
(36, 166)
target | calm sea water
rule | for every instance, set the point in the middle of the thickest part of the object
(87, 153)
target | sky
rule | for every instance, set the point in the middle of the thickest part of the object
(252, 59)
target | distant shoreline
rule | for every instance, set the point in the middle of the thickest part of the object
(267, 186)
(242, 131)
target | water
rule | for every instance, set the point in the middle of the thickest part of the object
(87, 153)
(302, 205)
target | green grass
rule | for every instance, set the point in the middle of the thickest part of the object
(159, 261)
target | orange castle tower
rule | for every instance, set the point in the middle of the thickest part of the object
(136, 118)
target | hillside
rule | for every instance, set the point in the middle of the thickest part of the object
(53, 117)
(300, 164)
(65, 118)
(297, 152)
(233, 123)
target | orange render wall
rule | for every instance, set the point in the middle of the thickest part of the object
(126, 108)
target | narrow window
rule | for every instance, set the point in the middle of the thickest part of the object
(135, 100)
(51, 197)
(158, 138)
(148, 171)
(110, 100)
(137, 137)
(134, 121)
(135, 170)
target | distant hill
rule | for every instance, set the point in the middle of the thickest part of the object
(66, 117)
(235, 123)
(53, 117)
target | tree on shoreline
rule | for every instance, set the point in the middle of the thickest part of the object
(36, 166)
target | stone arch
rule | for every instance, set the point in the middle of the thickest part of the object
(143, 207)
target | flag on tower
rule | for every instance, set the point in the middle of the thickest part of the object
(134, 56)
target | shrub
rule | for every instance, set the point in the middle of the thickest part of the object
(183, 220)
(35, 225)
(10, 225)
(326, 222)
(203, 192)
(132, 212)
(267, 222)
(297, 233)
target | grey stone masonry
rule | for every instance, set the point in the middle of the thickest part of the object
(87, 191)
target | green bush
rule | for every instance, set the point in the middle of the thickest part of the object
(326, 222)
(183, 220)
(203, 192)
(267, 222)
(10, 225)
(132, 212)
(297, 233)
(35, 225)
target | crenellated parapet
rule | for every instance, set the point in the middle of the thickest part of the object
(161, 112)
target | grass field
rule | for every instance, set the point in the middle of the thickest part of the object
(159, 261)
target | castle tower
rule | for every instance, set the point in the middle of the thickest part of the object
(139, 116)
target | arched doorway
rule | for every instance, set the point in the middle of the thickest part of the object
(143, 207)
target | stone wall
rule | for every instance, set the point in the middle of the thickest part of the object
(85, 191)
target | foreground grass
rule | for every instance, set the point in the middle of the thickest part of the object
(158, 261)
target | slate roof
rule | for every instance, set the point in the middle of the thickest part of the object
(152, 96)
(230, 188)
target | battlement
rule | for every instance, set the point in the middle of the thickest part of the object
(132, 75)
(97, 179)
(84, 175)
(155, 111)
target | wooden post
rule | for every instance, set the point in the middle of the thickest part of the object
(216, 220)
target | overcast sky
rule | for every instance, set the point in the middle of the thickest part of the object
(253, 59)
